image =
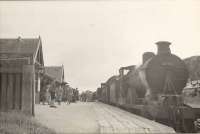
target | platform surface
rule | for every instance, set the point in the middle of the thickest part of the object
(95, 117)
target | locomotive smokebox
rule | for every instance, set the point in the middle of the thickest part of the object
(163, 47)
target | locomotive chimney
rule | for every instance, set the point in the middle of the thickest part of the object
(163, 47)
(146, 56)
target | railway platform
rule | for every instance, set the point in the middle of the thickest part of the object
(95, 117)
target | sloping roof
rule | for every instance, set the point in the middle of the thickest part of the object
(19, 45)
(56, 72)
(31, 47)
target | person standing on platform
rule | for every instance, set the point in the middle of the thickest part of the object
(48, 95)
(69, 95)
(52, 91)
(59, 93)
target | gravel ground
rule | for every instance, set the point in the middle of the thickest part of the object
(95, 117)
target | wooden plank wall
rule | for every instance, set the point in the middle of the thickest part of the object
(3, 91)
(17, 91)
(17, 86)
(10, 91)
(27, 89)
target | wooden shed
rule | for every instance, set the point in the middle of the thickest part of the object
(54, 76)
(21, 62)
(55, 72)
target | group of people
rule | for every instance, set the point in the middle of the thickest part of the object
(88, 96)
(53, 93)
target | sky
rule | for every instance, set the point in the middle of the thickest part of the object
(94, 38)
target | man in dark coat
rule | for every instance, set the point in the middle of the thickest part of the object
(52, 91)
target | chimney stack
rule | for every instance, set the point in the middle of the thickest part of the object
(163, 47)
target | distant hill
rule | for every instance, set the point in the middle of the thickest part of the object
(193, 65)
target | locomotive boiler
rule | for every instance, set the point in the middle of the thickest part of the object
(153, 89)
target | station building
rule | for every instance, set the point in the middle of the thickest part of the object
(21, 63)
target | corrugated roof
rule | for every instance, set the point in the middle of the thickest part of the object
(19, 45)
(56, 72)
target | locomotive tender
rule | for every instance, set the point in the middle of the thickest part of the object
(153, 89)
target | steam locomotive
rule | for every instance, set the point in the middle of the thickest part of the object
(153, 89)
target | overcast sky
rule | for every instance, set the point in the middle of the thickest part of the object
(93, 39)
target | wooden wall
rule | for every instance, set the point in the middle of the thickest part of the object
(11, 89)
(28, 89)
(17, 88)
